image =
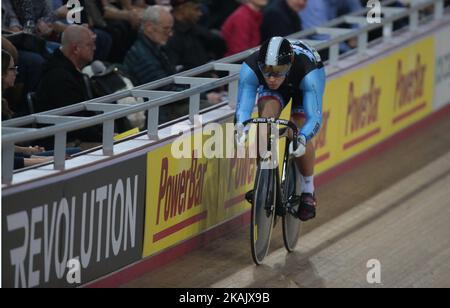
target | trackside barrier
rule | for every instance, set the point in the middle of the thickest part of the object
(91, 209)
(61, 122)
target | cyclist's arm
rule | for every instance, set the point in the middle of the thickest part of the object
(248, 85)
(313, 87)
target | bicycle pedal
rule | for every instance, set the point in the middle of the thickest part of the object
(291, 204)
(249, 196)
(294, 200)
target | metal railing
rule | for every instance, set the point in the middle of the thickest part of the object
(13, 131)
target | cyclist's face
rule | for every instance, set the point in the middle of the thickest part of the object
(274, 82)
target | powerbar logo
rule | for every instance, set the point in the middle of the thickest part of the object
(180, 192)
(91, 227)
(410, 85)
(362, 110)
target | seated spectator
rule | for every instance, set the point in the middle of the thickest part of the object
(9, 73)
(36, 17)
(281, 18)
(29, 62)
(10, 22)
(91, 17)
(192, 45)
(120, 23)
(219, 10)
(241, 30)
(123, 10)
(62, 82)
(319, 12)
(147, 59)
(22, 155)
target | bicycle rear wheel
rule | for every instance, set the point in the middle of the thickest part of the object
(263, 213)
(291, 223)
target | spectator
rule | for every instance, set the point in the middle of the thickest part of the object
(90, 16)
(123, 10)
(192, 45)
(62, 82)
(281, 18)
(121, 24)
(147, 59)
(29, 62)
(10, 21)
(9, 73)
(219, 12)
(22, 155)
(241, 30)
(36, 17)
(319, 12)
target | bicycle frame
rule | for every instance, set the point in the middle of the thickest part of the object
(270, 199)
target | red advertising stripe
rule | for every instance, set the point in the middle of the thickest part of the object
(409, 113)
(184, 224)
(363, 138)
(234, 201)
(136, 270)
(323, 158)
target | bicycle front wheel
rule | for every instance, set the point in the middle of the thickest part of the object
(263, 213)
(291, 224)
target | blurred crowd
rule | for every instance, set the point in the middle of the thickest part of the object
(48, 62)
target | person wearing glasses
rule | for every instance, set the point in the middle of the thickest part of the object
(279, 71)
(9, 74)
(23, 156)
(147, 60)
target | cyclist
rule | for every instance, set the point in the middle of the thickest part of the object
(279, 71)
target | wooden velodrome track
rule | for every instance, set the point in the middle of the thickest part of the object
(394, 207)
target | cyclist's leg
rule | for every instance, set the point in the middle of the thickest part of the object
(270, 104)
(306, 163)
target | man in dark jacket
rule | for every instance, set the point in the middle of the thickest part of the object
(147, 60)
(281, 18)
(62, 82)
(192, 45)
